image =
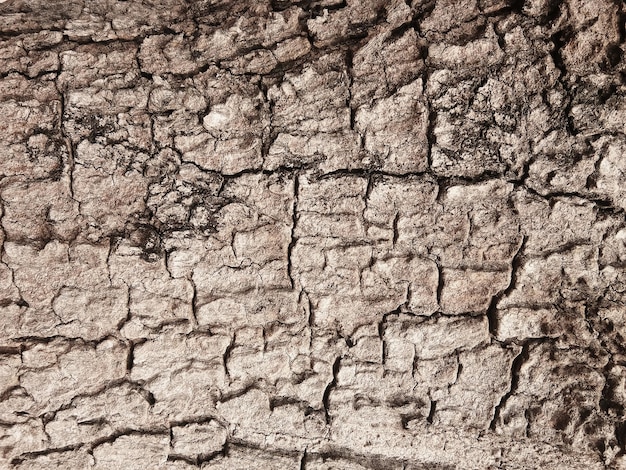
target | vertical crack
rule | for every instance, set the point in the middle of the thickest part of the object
(70, 164)
(439, 284)
(381, 336)
(293, 239)
(303, 460)
(227, 352)
(432, 113)
(271, 134)
(395, 229)
(349, 58)
(516, 367)
(194, 302)
(308, 307)
(329, 388)
(492, 310)
(130, 358)
(560, 40)
(431, 412)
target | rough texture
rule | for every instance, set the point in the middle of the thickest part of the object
(322, 234)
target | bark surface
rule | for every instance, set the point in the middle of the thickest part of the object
(314, 234)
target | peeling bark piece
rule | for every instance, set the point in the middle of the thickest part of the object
(81, 268)
(401, 145)
(313, 101)
(187, 383)
(429, 338)
(90, 315)
(57, 460)
(91, 418)
(163, 54)
(470, 291)
(80, 369)
(384, 65)
(484, 377)
(555, 414)
(310, 108)
(346, 23)
(198, 439)
(32, 145)
(36, 212)
(453, 21)
(137, 452)
(233, 140)
(243, 457)
(9, 366)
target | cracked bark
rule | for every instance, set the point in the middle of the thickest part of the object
(312, 234)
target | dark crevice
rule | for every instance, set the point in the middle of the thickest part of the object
(620, 436)
(130, 358)
(227, 352)
(329, 388)
(621, 20)
(396, 234)
(349, 59)
(32, 455)
(303, 460)
(198, 460)
(516, 366)
(560, 40)
(294, 222)
(492, 310)
(440, 283)
(407, 418)
(431, 412)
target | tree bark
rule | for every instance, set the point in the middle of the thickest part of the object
(322, 234)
